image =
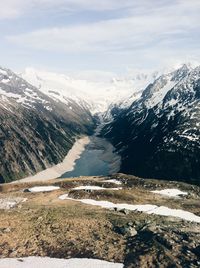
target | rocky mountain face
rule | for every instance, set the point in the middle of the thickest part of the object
(158, 135)
(155, 130)
(35, 130)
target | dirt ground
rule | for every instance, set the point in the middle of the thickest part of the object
(44, 225)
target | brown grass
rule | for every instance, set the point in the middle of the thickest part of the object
(47, 226)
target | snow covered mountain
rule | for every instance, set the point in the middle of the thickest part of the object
(41, 118)
(159, 134)
(95, 95)
(155, 121)
(35, 131)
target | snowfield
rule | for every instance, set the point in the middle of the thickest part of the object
(113, 181)
(38, 189)
(98, 94)
(147, 208)
(97, 188)
(8, 203)
(170, 192)
(46, 262)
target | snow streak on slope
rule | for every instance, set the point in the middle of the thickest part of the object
(46, 262)
(155, 93)
(14, 89)
(36, 131)
(146, 208)
(158, 135)
(90, 93)
(170, 192)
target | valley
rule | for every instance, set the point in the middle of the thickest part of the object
(100, 134)
(89, 156)
(149, 121)
(62, 200)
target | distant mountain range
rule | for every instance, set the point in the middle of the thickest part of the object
(95, 95)
(151, 119)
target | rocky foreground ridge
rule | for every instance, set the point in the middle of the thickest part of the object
(122, 219)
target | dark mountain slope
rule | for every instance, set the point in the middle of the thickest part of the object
(35, 131)
(159, 135)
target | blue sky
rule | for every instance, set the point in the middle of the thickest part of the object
(107, 35)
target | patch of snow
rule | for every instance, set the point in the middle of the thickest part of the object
(191, 138)
(170, 192)
(97, 94)
(29, 90)
(8, 203)
(9, 94)
(48, 108)
(178, 213)
(46, 262)
(113, 181)
(172, 102)
(154, 125)
(147, 208)
(3, 72)
(65, 197)
(95, 188)
(38, 189)
(5, 80)
(158, 96)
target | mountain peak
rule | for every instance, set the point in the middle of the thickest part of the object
(186, 67)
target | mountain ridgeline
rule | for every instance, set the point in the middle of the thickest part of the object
(155, 128)
(35, 131)
(158, 136)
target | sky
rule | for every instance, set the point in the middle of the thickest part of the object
(105, 36)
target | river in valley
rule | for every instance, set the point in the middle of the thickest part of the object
(98, 158)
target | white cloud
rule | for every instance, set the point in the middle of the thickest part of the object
(123, 34)
(16, 8)
(139, 33)
(10, 9)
